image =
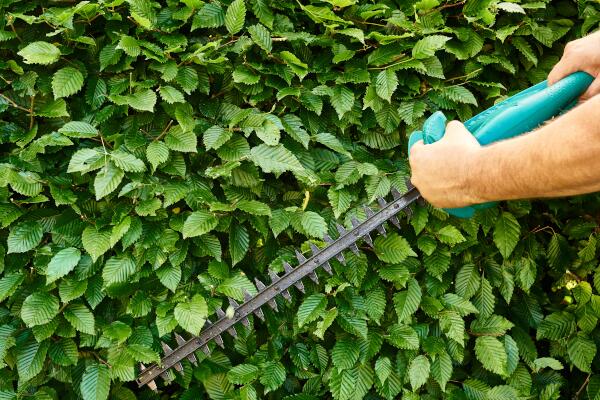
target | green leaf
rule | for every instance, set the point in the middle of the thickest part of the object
(199, 223)
(144, 100)
(171, 95)
(311, 308)
(345, 353)
(157, 153)
(406, 302)
(261, 36)
(66, 82)
(506, 233)
(418, 371)
(393, 248)
(30, 358)
(293, 126)
(239, 243)
(9, 283)
(118, 269)
(39, 308)
(80, 318)
(426, 47)
(40, 53)
(332, 142)
(339, 200)
(275, 159)
(216, 136)
(192, 314)
(107, 180)
(491, 354)
(450, 235)
(95, 382)
(242, 374)
(235, 16)
(179, 140)
(386, 84)
(78, 129)
(62, 263)
(95, 242)
(441, 369)
(313, 224)
(25, 236)
(272, 375)
(582, 350)
(342, 99)
(556, 326)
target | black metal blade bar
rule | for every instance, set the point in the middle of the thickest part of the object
(277, 287)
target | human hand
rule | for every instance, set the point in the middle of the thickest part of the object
(444, 171)
(580, 55)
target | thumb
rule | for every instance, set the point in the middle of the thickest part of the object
(593, 90)
(456, 130)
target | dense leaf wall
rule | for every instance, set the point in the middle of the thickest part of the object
(157, 156)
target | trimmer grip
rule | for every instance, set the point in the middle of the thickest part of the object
(514, 116)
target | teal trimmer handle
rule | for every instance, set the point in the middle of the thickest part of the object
(514, 116)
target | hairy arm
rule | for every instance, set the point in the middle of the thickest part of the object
(559, 159)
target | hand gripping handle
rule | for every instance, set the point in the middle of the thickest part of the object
(514, 116)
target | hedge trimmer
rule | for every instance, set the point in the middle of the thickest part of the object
(516, 115)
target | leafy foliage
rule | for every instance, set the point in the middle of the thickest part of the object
(159, 155)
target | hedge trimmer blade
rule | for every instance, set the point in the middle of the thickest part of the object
(279, 286)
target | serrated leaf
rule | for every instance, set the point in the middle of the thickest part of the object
(78, 129)
(180, 140)
(261, 36)
(386, 84)
(40, 53)
(506, 233)
(418, 371)
(80, 318)
(118, 269)
(311, 308)
(406, 302)
(491, 354)
(235, 16)
(39, 308)
(426, 47)
(242, 374)
(393, 248)
(157, 153)
(62, 263)
(192, 314)
(199, 223)
(25, 236)
(95, 382)
(66, 81)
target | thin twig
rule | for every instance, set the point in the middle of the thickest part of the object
(164, 132)
(587, 380)
(460, 3)
(15, 105)
(31, 119)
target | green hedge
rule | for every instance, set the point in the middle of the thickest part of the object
(157, 156)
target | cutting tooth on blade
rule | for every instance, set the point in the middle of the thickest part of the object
(232, 331)
(234, 304)
(219, 341)
(151, 384)
(381, 201)
(300, 286)
(261, 286)
(327, 267)
(367, 237)
(340, 229)
(220, 313)
(313, 277)
(287, 267)
(205, 350)
(328, 239)
(247, 296)
(180, 342)
(396, 194)
(274, 278)
(300, 257)
(259, 313)
(371, 213)
(168, 350)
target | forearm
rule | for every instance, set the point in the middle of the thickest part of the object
(559, 159)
